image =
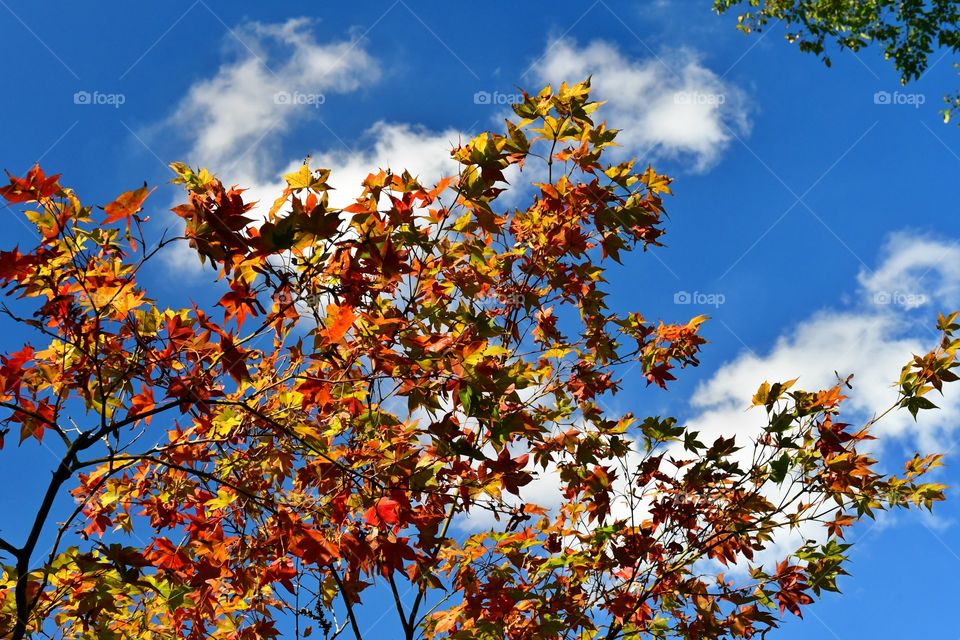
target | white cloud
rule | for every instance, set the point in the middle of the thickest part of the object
(670, 106)
(233, 119)
(869, 344)
(281, 74)
(918, 271)
(871, 340)
(422, 152)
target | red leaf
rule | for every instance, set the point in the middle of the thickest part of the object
(142, 403)
(11, 369)
(384, 512)
(239, 302)
(281, 570)
(35, 186)
(165, 556)
(660, 374)
(233, 361)
(16, 266)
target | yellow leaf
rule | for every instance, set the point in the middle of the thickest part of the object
(225, 497)
(304, 178)
(656, 183)
(760, 397)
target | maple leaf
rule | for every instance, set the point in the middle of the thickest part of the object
(305, 178)
(12, 367)
(660, 374)
(383, 512)
(239, 302)
(165, 555)
(656, 183)
(281, 570)
(15, 266)
(417, 405)
(233, 360)
(34, 419)
(447, 620)
(338, 321)
(142, 403)
(98, 525)
(836, 526)
(126, 205)
(35, 186)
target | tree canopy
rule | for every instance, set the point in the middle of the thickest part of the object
(907, 31)
(365, 404)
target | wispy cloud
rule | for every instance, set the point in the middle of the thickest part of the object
(893, 317)
(669, 106)
(234, 121)
(871, 338)
(282, 74)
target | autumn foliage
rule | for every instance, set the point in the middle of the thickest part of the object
(361, 412)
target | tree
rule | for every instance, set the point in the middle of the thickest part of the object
(297, 467)
(908, 31)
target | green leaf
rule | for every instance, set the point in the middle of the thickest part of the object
(779, 468)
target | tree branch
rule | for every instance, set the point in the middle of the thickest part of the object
(347, 603)
(61, 475)
(9, 548)
(407, 629)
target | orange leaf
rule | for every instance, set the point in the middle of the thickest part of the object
(339, 321)
(126, 205)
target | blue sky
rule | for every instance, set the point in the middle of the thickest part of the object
(813, 213)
